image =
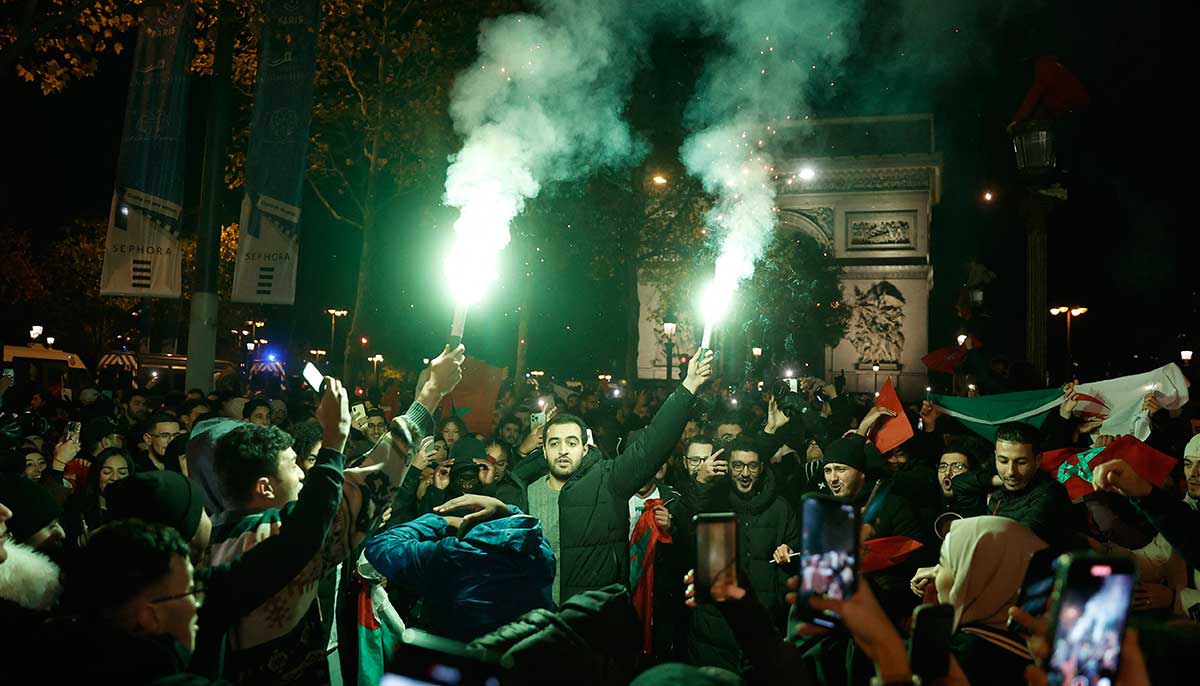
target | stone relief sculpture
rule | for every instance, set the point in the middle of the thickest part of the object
(876, 318)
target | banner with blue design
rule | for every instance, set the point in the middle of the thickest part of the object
(277, 158)
(141, 251)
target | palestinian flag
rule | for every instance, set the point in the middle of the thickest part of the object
(983, 414)
(1074, 469)
(642, 543)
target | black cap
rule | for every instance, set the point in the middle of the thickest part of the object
(163, 497)
(96, 429)
(852, 451)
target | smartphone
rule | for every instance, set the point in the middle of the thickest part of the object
(422, 659)
(1037, 587)
(929, 647)
(536, 419)
(358, 416)
(10, 373)
(828, 547)
(716, 552)
(1091, 605)
(73, 429)
(313, 376)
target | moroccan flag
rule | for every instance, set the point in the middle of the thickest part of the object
(945, 360)
(642, 543)
(894, 430)
(984, 413)
(1074, 469)
(474, 397)
(889, 551)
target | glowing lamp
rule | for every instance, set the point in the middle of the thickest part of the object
(756, 351)
(1185, 355)
(808, 174)
(962, 338)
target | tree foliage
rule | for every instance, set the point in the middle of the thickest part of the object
(52, 43)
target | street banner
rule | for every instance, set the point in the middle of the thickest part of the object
(277, 158)
(141, 250)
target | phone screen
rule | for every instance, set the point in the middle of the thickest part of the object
(1089, 622)
(313, 376)
(828, 549)
(929, 648)
(716, 551)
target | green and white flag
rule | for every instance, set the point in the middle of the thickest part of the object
(985, 413)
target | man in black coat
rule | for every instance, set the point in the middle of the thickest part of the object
(583, 502)
(767, 530)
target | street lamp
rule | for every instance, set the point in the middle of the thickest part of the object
(333, 317)
(1186, 356)
(49, 341)
(1071, 312)
(34, 332)
(255, 324)
(875, 368)
(377, 358)
(669, 330)
(316, 353)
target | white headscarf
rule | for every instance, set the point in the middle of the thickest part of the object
(988, 556)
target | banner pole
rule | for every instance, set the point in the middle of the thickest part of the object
(202, 329)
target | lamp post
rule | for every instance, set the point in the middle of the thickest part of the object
(333, 317)
(1185, 356)
(317, 353)
(377, 358)
(1071, 312)
(34, 332)
(49, 341)
(669, 330)
(875, 368)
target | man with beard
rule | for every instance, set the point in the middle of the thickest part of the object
(767, 531)
(583, 502)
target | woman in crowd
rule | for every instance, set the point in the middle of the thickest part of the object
(87, 510)
(451, 429)
(980, 572)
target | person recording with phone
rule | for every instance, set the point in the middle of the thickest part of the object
(767, 533)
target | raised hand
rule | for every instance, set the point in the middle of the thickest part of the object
(481, 508)
(712, 468)
(776, 419)
(699, 370)
(1068, 407)
(333, 413)
(445, 371)
(1116, 476)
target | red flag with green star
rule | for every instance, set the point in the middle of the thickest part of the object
(646, 536)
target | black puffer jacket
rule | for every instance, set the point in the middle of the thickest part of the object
(765, 520)
(593, 507)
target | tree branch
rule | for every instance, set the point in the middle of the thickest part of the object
(328, 206)
(362, 99)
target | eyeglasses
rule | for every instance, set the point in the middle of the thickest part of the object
(739, 467)
(197, 590)
(694, 460)
(955, 467)
(376, 425)
(167, 435)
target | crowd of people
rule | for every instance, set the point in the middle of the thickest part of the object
(270, 538)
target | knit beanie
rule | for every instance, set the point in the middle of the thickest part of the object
(163, 497)
(33, 508)
(852, 451)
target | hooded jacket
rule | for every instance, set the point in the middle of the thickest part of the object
(500, 570)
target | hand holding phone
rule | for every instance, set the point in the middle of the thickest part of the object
(313, 376)
(358, 416)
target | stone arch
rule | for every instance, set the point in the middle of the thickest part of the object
(817, 223)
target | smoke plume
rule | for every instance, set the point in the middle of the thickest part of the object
(543, 103)
(774, 48)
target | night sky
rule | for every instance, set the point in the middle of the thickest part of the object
(1120, 247)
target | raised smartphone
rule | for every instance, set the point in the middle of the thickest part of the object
(716, 552)
(1091, 605)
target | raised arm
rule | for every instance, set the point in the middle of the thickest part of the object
(370, 489)
(653, 446)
